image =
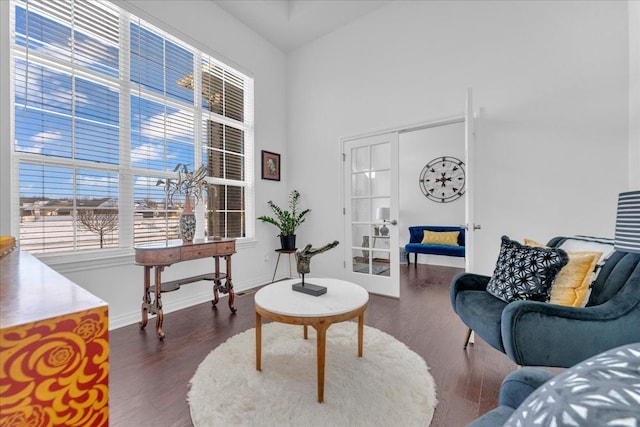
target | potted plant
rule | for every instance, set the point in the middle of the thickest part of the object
(287, 221)
(189, 184)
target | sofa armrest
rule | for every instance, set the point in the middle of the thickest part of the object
(542, 334)
(469, 282)
(466, 282)
(518, 385)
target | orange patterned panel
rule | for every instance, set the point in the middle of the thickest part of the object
(55, 372)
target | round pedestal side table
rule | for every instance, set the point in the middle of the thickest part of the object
(343, 301)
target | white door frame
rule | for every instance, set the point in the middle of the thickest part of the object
(467, 118)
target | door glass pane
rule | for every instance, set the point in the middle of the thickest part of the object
(380, 184)
(380, 248)
(380, 156)
(360, 184)
(360, 159)
(361, 261)
(360, 235)
(378, 202)
(360, 210)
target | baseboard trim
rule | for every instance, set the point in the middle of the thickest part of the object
(132, 317)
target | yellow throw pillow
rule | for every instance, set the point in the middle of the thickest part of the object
(571, 286)
(441, 238)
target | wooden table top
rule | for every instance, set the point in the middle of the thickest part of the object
(174, 251)
(31, 291)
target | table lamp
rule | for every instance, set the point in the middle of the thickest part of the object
(384, 214)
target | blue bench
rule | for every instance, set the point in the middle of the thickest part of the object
(416, 234)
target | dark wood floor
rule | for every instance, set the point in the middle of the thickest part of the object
(148, 378)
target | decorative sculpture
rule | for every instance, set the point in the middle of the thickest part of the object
(303, 260)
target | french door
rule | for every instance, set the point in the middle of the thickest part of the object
(371, 211)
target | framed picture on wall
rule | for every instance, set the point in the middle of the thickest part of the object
(270, 166)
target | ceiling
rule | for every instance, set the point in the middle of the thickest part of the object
(289, 24)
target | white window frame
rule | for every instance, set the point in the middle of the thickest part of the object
(10, 159)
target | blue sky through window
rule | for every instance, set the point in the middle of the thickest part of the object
(54, 38)
(49, 122)
(158, 64)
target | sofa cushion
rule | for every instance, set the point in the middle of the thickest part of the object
(588, 244)
(525, 272)
(571, 285)
(440, 238)
(601, 391)
(434, 249)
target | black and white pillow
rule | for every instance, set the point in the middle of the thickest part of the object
(601, 391)
(525, 272)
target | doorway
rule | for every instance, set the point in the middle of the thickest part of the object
(360, 221)
(417, 207)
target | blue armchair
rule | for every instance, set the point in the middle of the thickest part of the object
(535, 333)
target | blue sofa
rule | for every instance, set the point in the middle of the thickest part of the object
(533, 333)
(596, 392)
(416, 234)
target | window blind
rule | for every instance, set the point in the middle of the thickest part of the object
(105, 105)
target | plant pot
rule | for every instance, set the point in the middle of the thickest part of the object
(288, 243)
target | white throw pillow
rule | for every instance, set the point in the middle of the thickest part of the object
(584, 245)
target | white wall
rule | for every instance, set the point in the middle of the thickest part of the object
(634, 94)
(553, 140)
(207, 26)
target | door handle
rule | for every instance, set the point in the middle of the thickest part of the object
(475, 226)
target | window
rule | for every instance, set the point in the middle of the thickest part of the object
(105, 105)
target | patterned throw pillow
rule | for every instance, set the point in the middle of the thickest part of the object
(601, 391)
(440, 238)
(525, 272)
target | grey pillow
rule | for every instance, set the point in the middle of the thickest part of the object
(601, 391)
(525, 272)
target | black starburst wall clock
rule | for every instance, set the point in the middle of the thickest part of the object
(442, 179)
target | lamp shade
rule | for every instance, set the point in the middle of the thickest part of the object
(383, 213)
(628, 222)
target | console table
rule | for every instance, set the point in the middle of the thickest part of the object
(157, 256)
(376, 237)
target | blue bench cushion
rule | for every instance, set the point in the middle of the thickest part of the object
(434, 249)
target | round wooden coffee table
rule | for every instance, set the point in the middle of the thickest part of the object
(343, 301)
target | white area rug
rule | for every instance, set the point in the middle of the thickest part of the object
(389, 386)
